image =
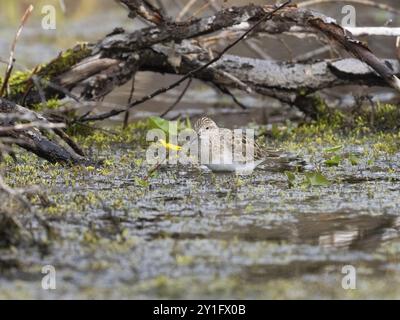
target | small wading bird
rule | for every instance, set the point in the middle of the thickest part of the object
(222, 157)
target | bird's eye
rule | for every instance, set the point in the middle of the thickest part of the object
(207, 128)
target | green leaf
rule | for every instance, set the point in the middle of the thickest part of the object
(333, 149)
(317, 179)
(162, 124)
(353, 160)
(158, 123)
(142, 182)
(188, 123)
(291, 178)
(334, 161)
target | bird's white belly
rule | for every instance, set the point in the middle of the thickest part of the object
(224, 161)
(239, 168)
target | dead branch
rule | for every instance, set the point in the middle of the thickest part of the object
(357, 48)
(12, 51)
(143, 9)
(31, 125)
(180, 97)
(283, 80)
(30, 138)
(190, 73)
(114, 60)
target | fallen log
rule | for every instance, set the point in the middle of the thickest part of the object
(285, 81)
(96, 69)
(33, 140)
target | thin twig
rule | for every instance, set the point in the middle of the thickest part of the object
(185, 9)
(177, 100)
(26, 126)
(40, 81)
(12, 51)
(162, 8)
(69, 141)
(229, 93)
(198, 11)
(127, 113)
(42, 95)
(17, 194)
(63, 6)
(254, 47)
(152, 170)
(59, 88)
(190, 73)
(250, 44)
(309, 55)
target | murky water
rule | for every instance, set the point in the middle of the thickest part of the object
(190, 233)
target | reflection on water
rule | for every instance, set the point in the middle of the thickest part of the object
(359, 233)
(337, 230)
(338, 239)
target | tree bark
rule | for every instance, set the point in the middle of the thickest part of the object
(114, 60)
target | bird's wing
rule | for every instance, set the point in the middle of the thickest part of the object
(248, 147)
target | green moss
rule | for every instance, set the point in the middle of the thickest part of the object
(20, 82)
(51, 104)
(383, 117)
(64, 61)
(378, 128)
(105, 139)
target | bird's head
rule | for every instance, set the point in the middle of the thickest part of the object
(204, 125)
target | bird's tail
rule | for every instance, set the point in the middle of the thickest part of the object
(283, 161)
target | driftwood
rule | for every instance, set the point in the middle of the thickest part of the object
(115, 59)
(279, 79)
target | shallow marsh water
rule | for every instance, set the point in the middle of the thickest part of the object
(189, 233)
